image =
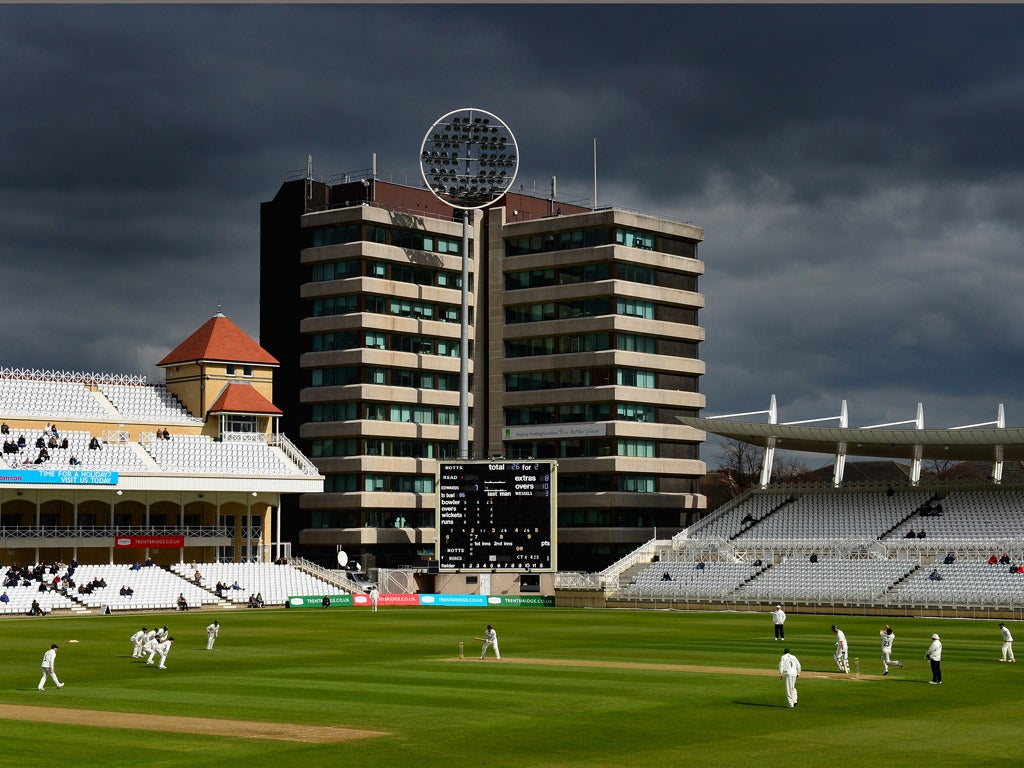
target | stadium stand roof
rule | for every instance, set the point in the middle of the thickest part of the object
(938, 444)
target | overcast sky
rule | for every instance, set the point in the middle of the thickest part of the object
(858, 172)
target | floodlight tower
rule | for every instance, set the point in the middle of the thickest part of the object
(469, 160)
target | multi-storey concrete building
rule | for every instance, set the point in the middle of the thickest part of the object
(584, 336)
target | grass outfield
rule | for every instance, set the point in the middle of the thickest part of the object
(397, 672)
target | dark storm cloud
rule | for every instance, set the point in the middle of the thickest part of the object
(857, 170)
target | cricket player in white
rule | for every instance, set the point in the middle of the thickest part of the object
(490, 640)
(137, 640)
(1007, 643)
(887, 638)
(779, 619)
(50, 667)
(162, 648)
(842, 656)
(148, 643)
(789, 671)
(211, 634)
(374, 599)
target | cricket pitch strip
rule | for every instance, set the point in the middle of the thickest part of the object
(237, 729)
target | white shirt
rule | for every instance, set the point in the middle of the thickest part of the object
(935, 651)
(163, 648)
(840, 640)
(137, 637)
(789, 664)
(887, 640)
(50, 658)
(213, 629)
(779, 616)
(1007, 637)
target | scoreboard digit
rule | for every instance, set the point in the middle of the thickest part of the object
(496, 515)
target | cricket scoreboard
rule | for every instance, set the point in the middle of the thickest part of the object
(496, 515)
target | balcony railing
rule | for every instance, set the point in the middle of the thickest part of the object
(21, 532)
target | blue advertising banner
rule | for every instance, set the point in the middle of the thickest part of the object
(59, 476)
(461, 600)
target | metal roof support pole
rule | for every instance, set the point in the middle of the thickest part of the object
(997, 465)
(766, 462)
(840, 465)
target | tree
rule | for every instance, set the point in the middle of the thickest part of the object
(742, 460)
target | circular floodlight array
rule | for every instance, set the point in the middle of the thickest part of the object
(469, 158)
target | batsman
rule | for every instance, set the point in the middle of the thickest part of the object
(490, 640)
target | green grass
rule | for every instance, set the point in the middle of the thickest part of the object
(395, 671)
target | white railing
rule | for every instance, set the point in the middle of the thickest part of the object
(11, 532)
(74, 377)
(293, 453)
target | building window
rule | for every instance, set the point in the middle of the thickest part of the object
(643, 449)
(239, 423)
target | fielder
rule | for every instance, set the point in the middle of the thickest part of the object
(137, 640)
(887, 638)
(1007, 643)
(148, 643)
(211, 634)
(789, 671)
(842, 655)
(162, 648)
(374, 599)
(50, 667)
(490, 640)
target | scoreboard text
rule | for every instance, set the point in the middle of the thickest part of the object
(496, 515)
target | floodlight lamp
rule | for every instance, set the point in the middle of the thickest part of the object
(460, 156)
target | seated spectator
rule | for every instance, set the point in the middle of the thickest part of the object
(921, 534)
(700, 565)
(814, 557)
(259, 600)
(1005, 559)
(52, 442)
(148, 563)
(220, 589)
(136, 566)
(4, 429)
(949, 559)
(166, 435)
(4, 598)
(666, 576)
(935, 576)
(235, 585)
(910, 534)
(1020, 569)
(21, 441)
(64, 443)
(73, 461)
(252, 601)
(993, 560)
(182, 602)
(35, 609)
(197, 577)
(94, 444)
(40, 443)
